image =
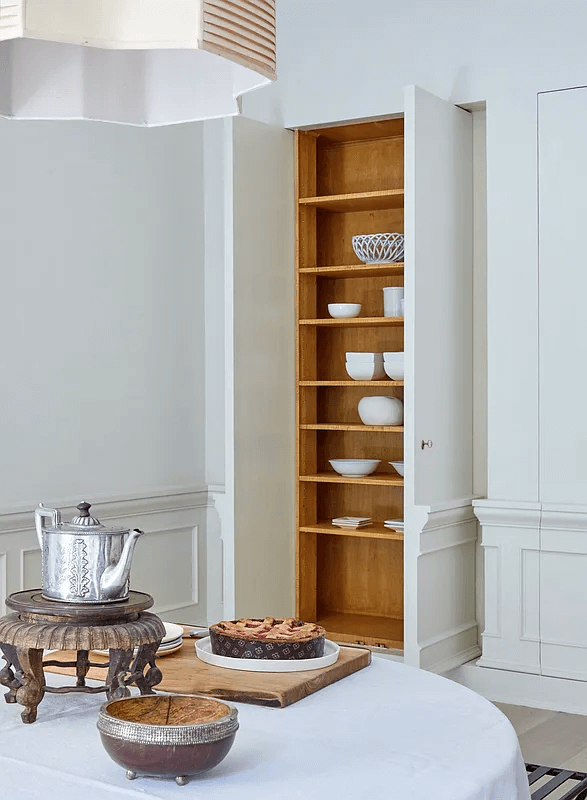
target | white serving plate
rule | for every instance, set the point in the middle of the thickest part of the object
(204, 653)
(172, 631)
(162, 651)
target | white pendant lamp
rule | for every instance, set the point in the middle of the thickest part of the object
(138, 62)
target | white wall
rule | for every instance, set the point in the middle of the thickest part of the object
(338, 61)
(101, 245)
(102, 329)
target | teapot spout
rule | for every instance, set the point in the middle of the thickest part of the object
(114, 579)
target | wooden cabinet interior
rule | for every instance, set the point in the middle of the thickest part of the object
(349, 182)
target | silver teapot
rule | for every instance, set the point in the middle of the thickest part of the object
(83, 561)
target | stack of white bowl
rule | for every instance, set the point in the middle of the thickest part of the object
(365, 366)
(393, 364)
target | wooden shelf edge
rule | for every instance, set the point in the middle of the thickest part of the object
(326, 199)
(357, 322)
(354, 270)
(363, 629)
(376, 531)
(370, 384)
(380, 479)
(338, 426)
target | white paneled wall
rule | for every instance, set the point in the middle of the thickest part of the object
(102, 392)
(166, 564)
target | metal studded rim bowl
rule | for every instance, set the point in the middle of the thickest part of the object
(167, 736)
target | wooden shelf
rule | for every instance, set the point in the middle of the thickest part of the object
(341, 426)
(357, 201)
(375, 479)
(363, 629)
(356, 322)
(371, 384)
(375, 531)
(355, 270)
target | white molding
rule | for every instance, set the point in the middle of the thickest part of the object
(456, 661)
(564, 518)
(507, 514)
(451, 633)
(3, 583)
(195, 566)
(17, 520)
(23, 552)
(514, 687)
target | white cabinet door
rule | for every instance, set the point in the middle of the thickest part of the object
(439, 550)
(562, 122)
(438, 281)
(562, 161)
(11, 19)
(260, 389)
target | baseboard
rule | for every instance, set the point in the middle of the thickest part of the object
(523, 689)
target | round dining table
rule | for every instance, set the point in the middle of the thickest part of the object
(388, 731)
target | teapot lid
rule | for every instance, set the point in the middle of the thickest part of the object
(84, 519)
(84, 522)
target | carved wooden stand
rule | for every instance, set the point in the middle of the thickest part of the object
(38, 624)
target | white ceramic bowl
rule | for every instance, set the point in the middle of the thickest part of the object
(354, 467)
(381, 410)
(394, 365)
(364, 371)
(398, 466)
(344, 310)
(379, 248)
(354, 358)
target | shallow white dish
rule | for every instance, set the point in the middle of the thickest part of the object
(397, 523)
(172, 631)
(162, 651)
(204, 653)
(354, 467)
(344, 310)
(398, 466)
(364, 371)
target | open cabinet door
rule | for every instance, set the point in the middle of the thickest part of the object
(11, 19)
(260, 393)
(440, 526)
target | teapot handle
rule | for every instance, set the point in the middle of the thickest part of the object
(41, 512)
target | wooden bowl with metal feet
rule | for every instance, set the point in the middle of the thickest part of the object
(167, 736)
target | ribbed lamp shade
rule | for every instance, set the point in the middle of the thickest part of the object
(141, 62)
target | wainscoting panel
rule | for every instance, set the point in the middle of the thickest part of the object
(169, 561)
(511, 543)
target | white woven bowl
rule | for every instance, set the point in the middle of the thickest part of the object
(379, 248)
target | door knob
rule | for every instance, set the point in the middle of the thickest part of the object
(426, 444)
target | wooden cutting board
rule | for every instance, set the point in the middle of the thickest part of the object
(184, 673)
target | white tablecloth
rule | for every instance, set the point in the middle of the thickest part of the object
(389, 731)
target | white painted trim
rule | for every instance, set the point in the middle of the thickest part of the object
(564, 518)
(195, 566)
(448, 634)
(520, 688)
(455, 661)
(23, 552)
(507, 514)
(3, 583)
(17, 520)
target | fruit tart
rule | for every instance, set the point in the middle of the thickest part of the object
(269, 638)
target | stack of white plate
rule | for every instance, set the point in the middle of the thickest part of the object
(395, 525)
(171, 642)
(352, 522)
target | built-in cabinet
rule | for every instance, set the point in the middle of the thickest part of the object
(415, 592)
(535, 553)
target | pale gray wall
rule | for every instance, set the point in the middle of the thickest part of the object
(102, 313)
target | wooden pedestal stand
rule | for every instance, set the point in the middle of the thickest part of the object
(38, 624)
